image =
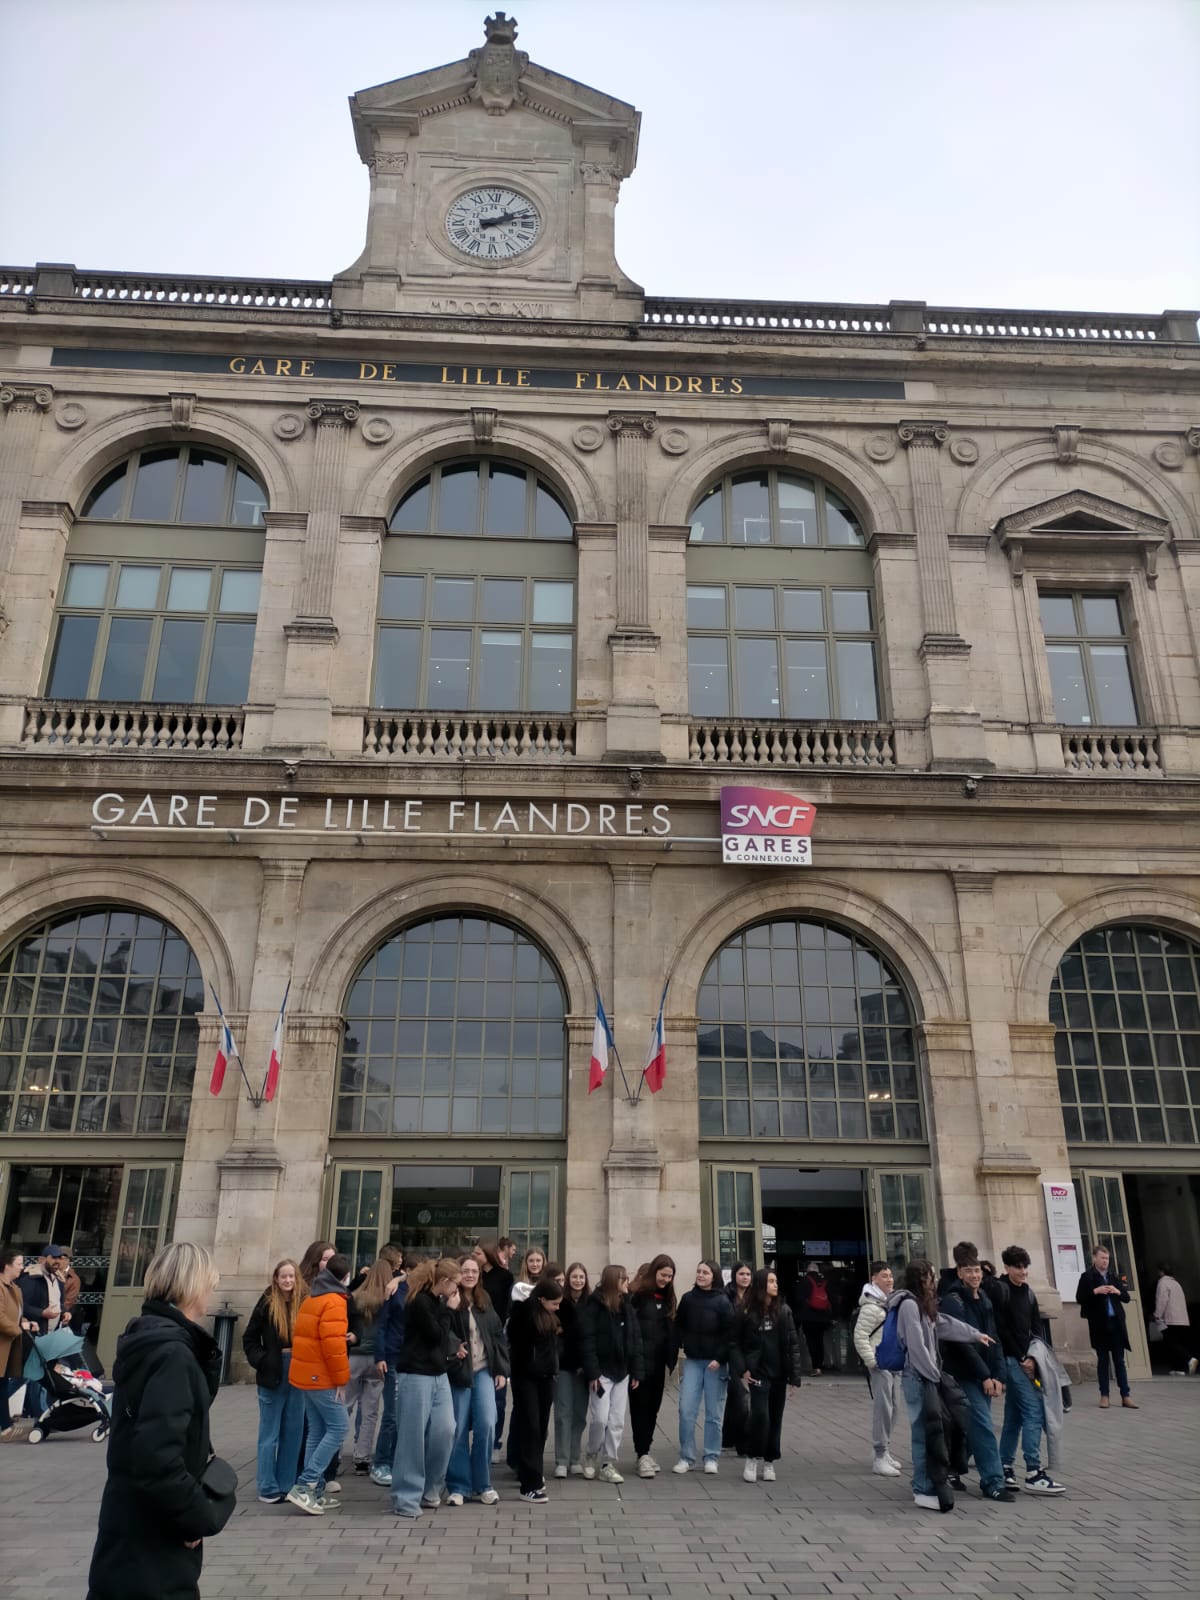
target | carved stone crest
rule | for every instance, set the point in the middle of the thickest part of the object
(778, 429)
(183, 408)
(498, 66)
(588, 437)
(377, 430)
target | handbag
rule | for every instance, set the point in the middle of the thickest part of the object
(219, 1482)
(1157, 1329)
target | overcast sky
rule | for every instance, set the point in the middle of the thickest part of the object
(1022, 153)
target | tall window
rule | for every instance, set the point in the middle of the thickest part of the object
(1088, 656)
(454, 1026)
(98, 1030)
(1126, 1003)
(160, 593)
(780, 604)
(482, 619)
(805, 1033)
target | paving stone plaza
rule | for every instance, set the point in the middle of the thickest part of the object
(1127, 1528)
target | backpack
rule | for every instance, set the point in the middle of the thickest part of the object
(889, 1352)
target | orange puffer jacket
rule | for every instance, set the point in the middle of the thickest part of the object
(319, 1358)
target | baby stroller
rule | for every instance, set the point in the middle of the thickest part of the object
(77, 1399)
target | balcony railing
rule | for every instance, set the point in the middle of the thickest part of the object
(1105, 750)
(781, 744)
(466, 738)
(63, 725)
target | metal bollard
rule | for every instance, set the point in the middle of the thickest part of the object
(223, 1324)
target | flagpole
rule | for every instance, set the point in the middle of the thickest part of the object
(629, 1095)
(267, 1074)
(637, 1099)
(236, 1051)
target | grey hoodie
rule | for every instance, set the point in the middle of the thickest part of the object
(920, 1337)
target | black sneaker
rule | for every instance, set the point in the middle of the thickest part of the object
(956, 1483)
(1011, 1480)
(1040, 1482)
(1004, 1496)
(536, 1497)
(362, 1468)
(945, 1496)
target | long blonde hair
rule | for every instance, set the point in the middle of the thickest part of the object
(428, 1274)
(282, 1308)
(372, 1291)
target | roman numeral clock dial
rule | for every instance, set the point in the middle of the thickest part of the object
(493, 224)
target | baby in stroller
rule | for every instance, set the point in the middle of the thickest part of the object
(77, 1399)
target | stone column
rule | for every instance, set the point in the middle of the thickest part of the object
(633, 715)
(22, 405)
(27, 592)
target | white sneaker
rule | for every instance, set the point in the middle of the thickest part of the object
(486, 1497)
(645, 1467)
(560, 1471)
(768, 1472)
(684, 1466)
(454, 1500)
(332, 1486)
(888, 1456)
(885, 1467)
(1040, 1482)
(710, 1467)
(927, 1502)
(381, 1476)
(575, 1470)
(589, 1466)
(1193, 1367)
(609, 1474)
(654, 1463)
(750, 1470)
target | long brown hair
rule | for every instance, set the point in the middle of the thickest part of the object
(491, 1249)
(310, 1261)
(476, 1297)
(282, 1308)
(609, 1288)
(428, 1274)
(545, 1321)
(568, 1293)
(760, 1303)
(919, 1280)
(372, 1291)
(644, 1282)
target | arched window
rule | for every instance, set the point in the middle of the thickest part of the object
(454, 1025)
(98, 1029)
(805, 1033)
(780, 603)
(160, 593)
(477, 605)
(1126, 1003)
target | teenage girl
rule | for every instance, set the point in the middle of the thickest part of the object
(364, 1392)
(737, 1407)
(267, 1343)
(470, 1471)
(533, 1330)
(705, 1323)
(570, 1387)
(766, 1356)
(612, 1365)
(653, 1298)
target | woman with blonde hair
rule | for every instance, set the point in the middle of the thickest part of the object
(364, 1392)
(166, 1491)
(267, 1343)
(474, 1383)
(424, 1407)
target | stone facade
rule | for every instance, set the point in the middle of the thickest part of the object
(967, 835)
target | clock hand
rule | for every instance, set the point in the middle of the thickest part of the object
(505, 216)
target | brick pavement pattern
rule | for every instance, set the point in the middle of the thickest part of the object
(1127, 1529)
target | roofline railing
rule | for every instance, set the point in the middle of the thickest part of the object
(61, 281)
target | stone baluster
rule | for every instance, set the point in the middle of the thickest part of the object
(332, 419)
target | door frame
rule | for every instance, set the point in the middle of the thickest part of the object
(131, 1295)
(1138, 1355)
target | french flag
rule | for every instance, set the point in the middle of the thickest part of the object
(655, 1072)
(227, 1051)
(602, 1043)
(275, 1065)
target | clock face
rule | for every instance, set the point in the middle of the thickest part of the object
(493, 224)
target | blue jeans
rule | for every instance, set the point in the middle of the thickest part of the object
(697, 1380)
(1024, 1415)
(385, 1444)
(424, 1439)
(913, 1389)
(470, 1469)
(1118, 1361)
(280, 1423)
(981, 1439)
(327, 1421)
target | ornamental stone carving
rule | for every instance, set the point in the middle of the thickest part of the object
(483, 424)
(964, 451)
(30, 397)
(498, 66)
(183, 407)
(1169, 455)
(632, 422)
(588, 437)
(377, 430)
(331, 413)
(929, 435)
(1193, 439)
(598, 172)
(778, 429)
(1066, 444)
(71, 414)
(674, 442)
(879, 447)
(287, 426)
(388, 161)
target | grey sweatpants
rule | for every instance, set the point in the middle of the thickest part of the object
(883, 1408)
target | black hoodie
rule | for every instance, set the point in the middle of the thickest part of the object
(705, 1322)
(610, 1340)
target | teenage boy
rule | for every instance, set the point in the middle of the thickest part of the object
(1018, 1320)
(884, 1386)
(980, 1371)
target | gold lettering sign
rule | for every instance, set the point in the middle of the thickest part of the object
(482, 377)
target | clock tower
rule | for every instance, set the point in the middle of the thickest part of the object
(494, 187)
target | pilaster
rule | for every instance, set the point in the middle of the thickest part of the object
(22, 405)
(633, 714)
(27, 592)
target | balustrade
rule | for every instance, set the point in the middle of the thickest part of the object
(468, 738)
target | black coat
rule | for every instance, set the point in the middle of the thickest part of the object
(263, 1348)
(705, 1324)
(660, 1343)
(429, 1344)
(768, 1354)
(166, 1374)
(1104, 1332)
(610, 1340)
(972, 1363)
(498, 1281)
(534, 1354)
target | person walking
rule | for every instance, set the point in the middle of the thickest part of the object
(883, 1386)
(166, 1492)
(1019, 1320)
(814, 1312)
(389, 1336)
(13, 1325)
(612, 1365)
(765, 1356)
(652, 1296)
(533, 1330)
(704, 1327)
(424, 1408)
(737, 1405)
(469, 1472)
(267, 1345)
(979, 1371)
(320, 1369)
(1171, 1315)
(364, 1392)
(1102, 1296)
(570, 1386)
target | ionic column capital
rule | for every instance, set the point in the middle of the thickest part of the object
(632, 424)
(332, 413)
(931, 434)
(31, 397)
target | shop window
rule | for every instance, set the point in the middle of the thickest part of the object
(805, 1033)
(98, 1030)
(1088, 657)
(454, 1026)
(1126, 1003)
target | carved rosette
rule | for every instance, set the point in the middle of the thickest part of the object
(70, 415)
(880, 447)
(674, 442)
(287, 426)
(587, 437)
(1169, 455)
(377, 430)
(26, 397)
(964, 451)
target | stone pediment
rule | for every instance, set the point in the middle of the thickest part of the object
(1079, 511)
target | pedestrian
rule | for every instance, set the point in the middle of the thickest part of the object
(920, 1325)
(41, 1294)
(534, 1330)
(737, 1406)
(469, 1472)
(1171, 1315)
(1102, 1296)
(313, 1259)
(814, 1312)
(979, 1371)
(389, 1339)
(424, 1408)
(704, 1326)
(570, 1386)
(364, 1392)
(166, 1492)
(13, 1325)
(1019, 1321)
(497, 1279)
(612, 1365)
(884, 1387)
(765, 1356)
(267, 1345)
(652, 1295)
(320, 1368)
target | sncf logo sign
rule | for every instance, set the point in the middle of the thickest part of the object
(1058, 1193)
(766, 827)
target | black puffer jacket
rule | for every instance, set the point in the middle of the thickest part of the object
(972, 1363)
(660, 1345)
(263, 1347)
(570, 1344)
(534, 1355)
(610, 1340)
(166, 1374)
(768, 1351)
(705, 1325)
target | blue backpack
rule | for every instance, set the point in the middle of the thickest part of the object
(889, 1352)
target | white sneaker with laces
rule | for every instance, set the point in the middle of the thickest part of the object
(560, 1471)
(682, 1466)
(645, 1467)
(750, 1470)
(927, 1502)
(589, 1466)
(488, 1497)
(609, 1474)
(885, 1468)
(768, 1472)
(1040, 1482)
(575, 1470)
(710, 1466)
(454, 1500)
(888, 1456)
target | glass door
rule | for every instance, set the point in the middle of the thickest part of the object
(143, 1219)
(901, 1218)
(529, 1207)
(736, 1215)
(1104, 1220)
(360, 1216)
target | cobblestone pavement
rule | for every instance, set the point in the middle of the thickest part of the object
(1129, 1525)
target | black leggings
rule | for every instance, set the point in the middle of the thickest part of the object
(532, 1399)
(767, 1401)
(644, 1403)
(737, 1417)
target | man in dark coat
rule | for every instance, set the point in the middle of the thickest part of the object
(1102, 1297)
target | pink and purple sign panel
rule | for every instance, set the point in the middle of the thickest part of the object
(766, 827)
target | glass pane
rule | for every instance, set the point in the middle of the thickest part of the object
(505, 505)
(453, 600)
(71, 664)
(449, 669)
(807, 679)
(708, 519)
(1058, 614)
(499, 671)
(758, 678)
(551, 679)
(458, 500)
(239, 592)
(1114, 687)
(852, 610)
(178, 661)
(856, 680)
(797, 511)
(249, 501)
(86, 584)
(137, 589)
(751, 513)
(503, 600)
(553, 602)
(705, 606)
(125, 658)
(708, 677)
(412, 514)
(551, 520)
(1102, 615)
(803, 610)
(154, 487)
(1068, 684)
(229, 675)
(403, 598)
(397, 667)
(204, 487)
(188, 589)
(842, 524)
(754, 609)
(106, 498)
